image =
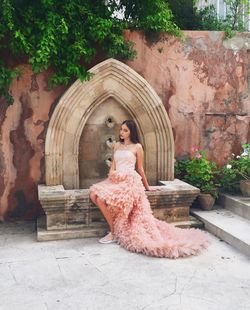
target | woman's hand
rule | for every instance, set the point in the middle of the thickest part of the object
(152, 189)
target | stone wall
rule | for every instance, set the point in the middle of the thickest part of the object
(203, 83)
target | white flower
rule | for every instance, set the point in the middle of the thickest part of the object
(229, 166)
(244, 154)
(238, 156)
(233, 154)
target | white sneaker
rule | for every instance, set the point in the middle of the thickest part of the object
(109, 238)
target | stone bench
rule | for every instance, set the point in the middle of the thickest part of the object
(70, 213)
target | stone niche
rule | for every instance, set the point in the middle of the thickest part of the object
(78, 152)
(98, 137)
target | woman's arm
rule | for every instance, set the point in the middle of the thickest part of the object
(113, 167)
(139, 165)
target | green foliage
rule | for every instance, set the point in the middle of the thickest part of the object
(6, 76)
(204, 174)
(66, 35)
(199, 172)
(238, 10)
(180, 168)
(185, 14)
(229, 180)
(148, 15)
(188, 17)
(238, 168)
(208, 19)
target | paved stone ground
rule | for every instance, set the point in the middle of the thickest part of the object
(83, 274)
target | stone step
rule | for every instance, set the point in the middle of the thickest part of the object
(227, 226)
(237, 204)
(191, 223)
(95, 230)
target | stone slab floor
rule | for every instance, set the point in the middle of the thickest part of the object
(83, 274)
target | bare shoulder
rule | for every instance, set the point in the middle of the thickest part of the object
(139, 147)
(116, 145)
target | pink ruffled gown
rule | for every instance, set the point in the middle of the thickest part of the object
(135, 227)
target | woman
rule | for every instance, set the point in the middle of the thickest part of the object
(123, 202)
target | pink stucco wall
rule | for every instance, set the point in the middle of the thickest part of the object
(203, 86)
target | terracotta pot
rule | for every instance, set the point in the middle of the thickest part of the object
(245, 187)
(206, 201)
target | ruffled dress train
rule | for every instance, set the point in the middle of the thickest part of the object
(135, 227)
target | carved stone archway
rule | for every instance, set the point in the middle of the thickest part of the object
(111, 78)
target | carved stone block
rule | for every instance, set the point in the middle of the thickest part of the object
(70, 214)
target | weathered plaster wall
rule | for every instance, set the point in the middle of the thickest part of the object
(203, 84)
(22, 135)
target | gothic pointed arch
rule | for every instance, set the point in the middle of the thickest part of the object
(111, 78)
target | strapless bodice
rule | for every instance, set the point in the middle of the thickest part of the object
(124, 160)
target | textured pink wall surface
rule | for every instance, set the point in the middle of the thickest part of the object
(203, 87)
(22, 135)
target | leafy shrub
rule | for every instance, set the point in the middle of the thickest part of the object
(238, 168)
(199, 172)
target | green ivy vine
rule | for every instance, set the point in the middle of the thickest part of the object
(66, 35)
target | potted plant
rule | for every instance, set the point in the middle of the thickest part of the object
(237, 171)
(202, 173)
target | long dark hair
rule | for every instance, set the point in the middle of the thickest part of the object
(134, 137)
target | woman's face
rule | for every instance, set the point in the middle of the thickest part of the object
(124, 132)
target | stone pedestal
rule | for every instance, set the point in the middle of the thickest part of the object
(70, 213)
